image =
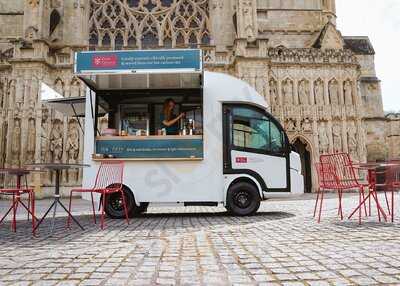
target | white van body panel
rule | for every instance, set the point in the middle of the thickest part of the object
(184, 181)
(271, 168)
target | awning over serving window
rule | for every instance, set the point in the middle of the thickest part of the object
(138, 69)
(142, 81)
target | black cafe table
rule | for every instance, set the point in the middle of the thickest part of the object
(57, 168)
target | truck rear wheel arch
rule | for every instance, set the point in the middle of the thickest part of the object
(251, 180)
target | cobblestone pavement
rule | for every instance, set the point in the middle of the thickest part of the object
(281, 245)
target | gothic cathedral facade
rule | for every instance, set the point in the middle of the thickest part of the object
(321, 85)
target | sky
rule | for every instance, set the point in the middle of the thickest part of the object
(380, 21)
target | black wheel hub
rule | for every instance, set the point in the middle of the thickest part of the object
(242, 200)
(115, 201)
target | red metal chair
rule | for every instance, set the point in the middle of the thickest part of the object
(109, 180)
(339, 170)
(16, 192)
(326, 181)
(391, 175)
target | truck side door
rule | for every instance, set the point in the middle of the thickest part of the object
(256, 144)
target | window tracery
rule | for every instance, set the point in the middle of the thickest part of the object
(117, 24)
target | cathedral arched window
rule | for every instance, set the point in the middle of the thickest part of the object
(118, 24)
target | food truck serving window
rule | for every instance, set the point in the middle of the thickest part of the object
(154, 113)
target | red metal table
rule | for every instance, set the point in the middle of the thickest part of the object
(16, 193)
(57, 168)
(371, 168)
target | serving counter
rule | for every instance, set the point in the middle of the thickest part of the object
(168, 147)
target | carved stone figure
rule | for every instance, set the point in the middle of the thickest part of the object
(304, 93)
(306, 125)
(288, 92)
(334, 92)
(72, 148)
(16, 142)
(319, 92)
(337, 138)
(348, 93)
(31, 142)
(323, 139)
(75, 89)
(273, 91)
(45, 136)
(19, 93)
(352, 140)
(248, 19)
(56, 142)
(33, 97)
(291, 125)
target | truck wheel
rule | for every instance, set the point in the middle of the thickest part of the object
(242, 199)
(114, 207)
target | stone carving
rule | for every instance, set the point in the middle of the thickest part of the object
(319, 92)
(304, 92)
(334, 92)
(287, 91)
(143, 23)
(56, 141)
(352, 140)
(348, 93)
(11, 90)
(16, 142)
(31, 33)
(75, 89)
(337, 138)
(247, 11)
(31, 141)
(291, 125)
(306, 125)
(217, 4)
(45, 136)
(273, 91)
(2, 95)
(33, 3)
(59, 86)
(307, 55)
(72, 149)
(33, 96)
(19, 93)
(323, 139)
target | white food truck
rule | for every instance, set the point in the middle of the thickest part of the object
(228, 150)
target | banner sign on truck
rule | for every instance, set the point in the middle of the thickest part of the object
(152, 148)
(97, 62)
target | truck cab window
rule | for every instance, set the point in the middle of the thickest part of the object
(253, 130)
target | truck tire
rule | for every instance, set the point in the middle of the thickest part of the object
(242, 199)
(114, 208)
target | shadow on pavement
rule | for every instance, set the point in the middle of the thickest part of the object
(156, 225)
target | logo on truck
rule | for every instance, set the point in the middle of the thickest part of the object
(105, 61)
(241, 160)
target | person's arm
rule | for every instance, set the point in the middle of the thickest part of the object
(173, 121)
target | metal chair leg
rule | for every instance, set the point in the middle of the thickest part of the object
(124, 204)
(316, 202)
(94, 212)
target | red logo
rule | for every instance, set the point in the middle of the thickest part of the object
(105, 61)
(241, 160)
